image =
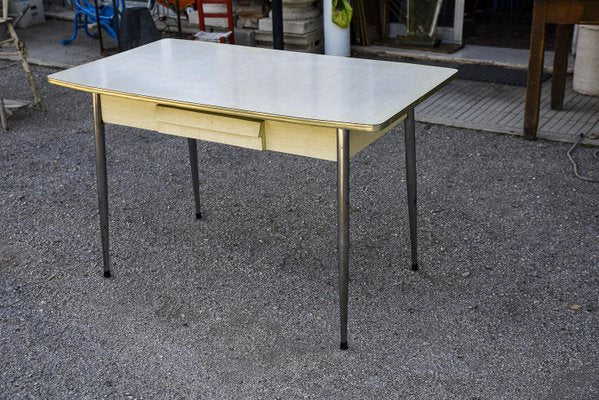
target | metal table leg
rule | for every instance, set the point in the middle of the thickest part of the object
(101, 180)
(3, 116)
(343, 227)
(410, 131)
(193, 162)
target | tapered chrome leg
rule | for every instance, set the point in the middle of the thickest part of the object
(3, 116)
(193, 162)
(101, 180)
(343, 227)
(410, 133)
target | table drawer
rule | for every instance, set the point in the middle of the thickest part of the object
(183, 122)
(210, 127)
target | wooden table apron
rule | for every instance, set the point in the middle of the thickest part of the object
(329, 140)
(565, 14)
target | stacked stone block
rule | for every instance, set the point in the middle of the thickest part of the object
(302, 27)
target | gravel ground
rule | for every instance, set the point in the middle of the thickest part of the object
(243, 304)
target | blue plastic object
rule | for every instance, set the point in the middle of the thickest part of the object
(85, 15)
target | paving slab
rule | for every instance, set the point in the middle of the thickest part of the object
(500, 108)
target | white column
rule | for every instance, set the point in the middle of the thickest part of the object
(336, 39)
(458, 21)
(586, 73)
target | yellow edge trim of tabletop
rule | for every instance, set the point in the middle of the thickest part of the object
(250, 114)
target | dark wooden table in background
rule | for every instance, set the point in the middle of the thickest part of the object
(563, 13)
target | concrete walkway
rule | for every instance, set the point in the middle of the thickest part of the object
(494, 107)
(500, 108)
(43, 45)
(45, 49)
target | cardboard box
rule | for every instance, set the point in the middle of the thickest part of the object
(33, 16)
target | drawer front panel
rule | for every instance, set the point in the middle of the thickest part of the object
(209, 127)
(182, 122)
(210, 122)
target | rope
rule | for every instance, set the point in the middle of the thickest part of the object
(575, 166)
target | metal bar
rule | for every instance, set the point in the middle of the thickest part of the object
(102, 183)
(410, 135)
(15, 21)
(277, 24)
(193, 162)
(99, 27)
(343, 228)
(4, 9)
(431, 31)
(411, 18)
(178, 19)
(117, 23)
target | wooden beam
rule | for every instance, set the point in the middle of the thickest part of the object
(563, 40)
(535, 69)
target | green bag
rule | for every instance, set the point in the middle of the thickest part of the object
(342, 16)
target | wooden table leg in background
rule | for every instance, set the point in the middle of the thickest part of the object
(384, 19)
(535, 70)
(563, 39)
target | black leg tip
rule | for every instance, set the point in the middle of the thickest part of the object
(414, 267)
(107, 274)
(343, 346)
(198, 215)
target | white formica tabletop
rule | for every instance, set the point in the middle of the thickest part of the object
(251, 82)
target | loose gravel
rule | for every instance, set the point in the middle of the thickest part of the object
(243, 304)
